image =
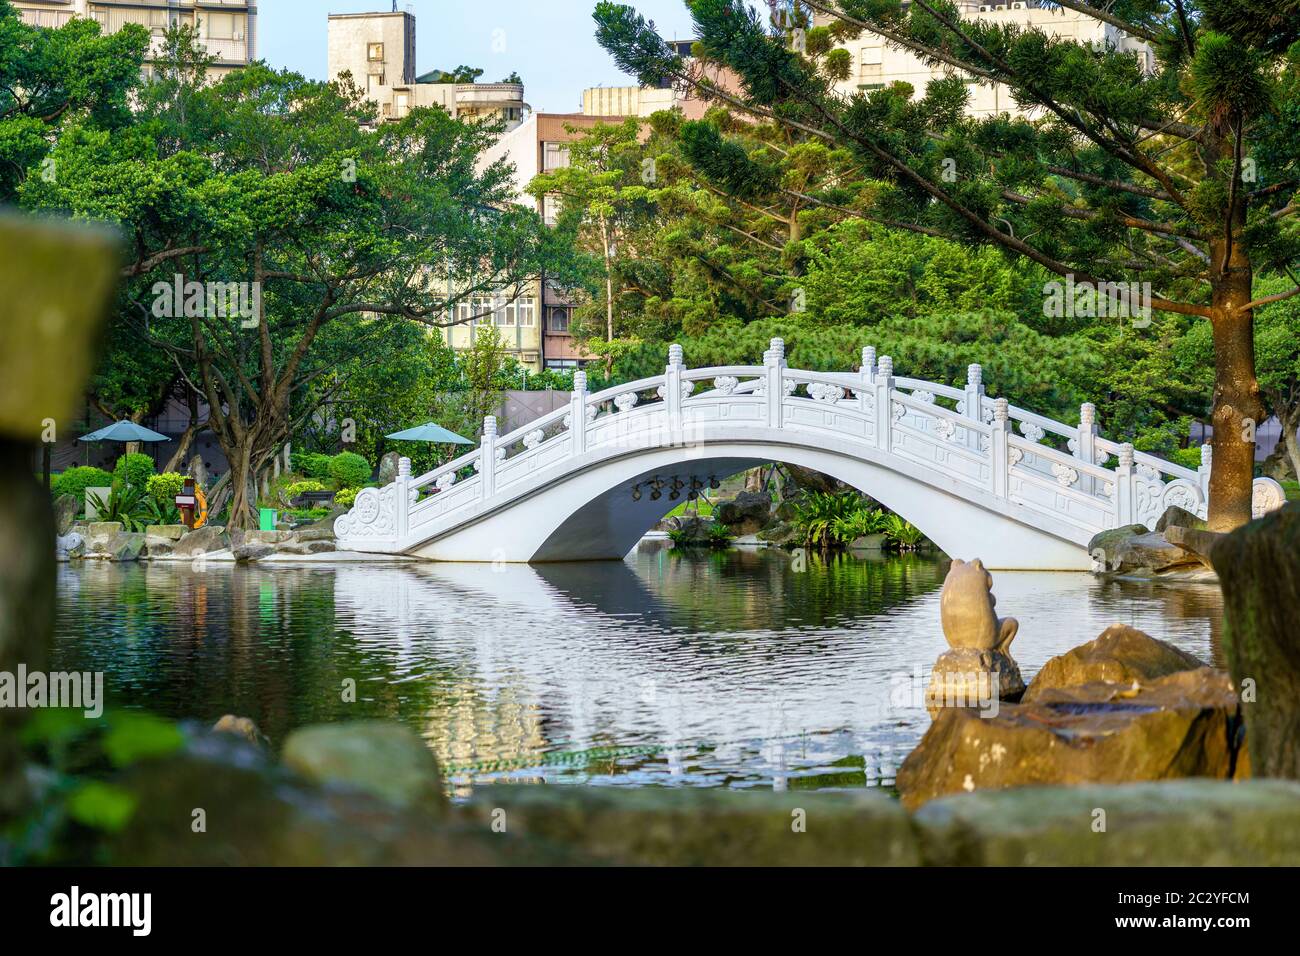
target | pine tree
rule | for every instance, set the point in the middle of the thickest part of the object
(1182, 176)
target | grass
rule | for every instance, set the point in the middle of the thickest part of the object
(1292, 489)
(688, 507)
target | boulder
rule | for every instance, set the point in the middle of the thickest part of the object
(778, 534)
(242, 727)
(252, 551)
(66, 508)
(1170, 823)
(322, 530)
(127, 546)
(69, 546)
(869, 542)
(384, 759)
(1278, 465)
(1150, 553)
(748, 513)
(172, 532)
(705, 827)
(1103, 546)
(1181, 725)
(1119, 655)
(100, 536)
(1195, 542)
(1176, 517)
(158, 547)
(1260, 574)
(695, 528)
(306, 547)
(970, 677)
(204, 540)
(388, 469)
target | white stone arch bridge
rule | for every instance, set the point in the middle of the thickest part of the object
(979, 476)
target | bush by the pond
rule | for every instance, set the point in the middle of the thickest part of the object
(134, 469)
(349, 470)
(76, 480)
(301, 488)
(311, 464)
(346, 498)
(165, 487)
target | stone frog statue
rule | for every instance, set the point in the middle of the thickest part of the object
(966, 610)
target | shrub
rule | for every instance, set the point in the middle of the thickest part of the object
(311, 464)
(903, 533)
(76, 480)
(349, 470)
(134, 470)
(301, 488)
(346, 498)
(165, 487)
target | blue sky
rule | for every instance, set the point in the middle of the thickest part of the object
(550, 43)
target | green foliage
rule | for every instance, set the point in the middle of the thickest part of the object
(165, 487)
(76, 480)
(154, 511)
(820, 517)
(346, 498)
(902, 533)
(126, 503)
(299, 488)
(312, 464)
(858, 524)
(134, 469)
(350, 470)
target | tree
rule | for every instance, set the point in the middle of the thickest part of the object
(267, 190)
(602, 192)
(1181, 179)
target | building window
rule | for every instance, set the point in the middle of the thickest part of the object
(563, 364)
(872, 55)
(551, 210)
(559, 320)
(375, 52)
(554, 156)
(527, 312)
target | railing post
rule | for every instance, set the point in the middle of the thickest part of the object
(1207, 465)
(673, 390)
(774, 359)
(974, 403)
(1125, 490)
(487, 462)
(866, 390)
(1085, 445)
(578, 413)
(884, 383)
(1000, 448)
(403, 503)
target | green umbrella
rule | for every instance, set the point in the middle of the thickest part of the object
(430, 433)
(124, 431)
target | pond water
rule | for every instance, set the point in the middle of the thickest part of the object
(736, 669)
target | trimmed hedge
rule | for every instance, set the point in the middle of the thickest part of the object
(135, 469)
(350, 470)
(76, 480)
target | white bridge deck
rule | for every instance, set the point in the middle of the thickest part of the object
(981, 477)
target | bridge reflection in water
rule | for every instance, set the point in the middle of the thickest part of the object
(683, 669)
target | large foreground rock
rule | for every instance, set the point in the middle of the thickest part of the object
(127, 546)
(66, 508)
(1181, 725)
(205, 540)
(100, 536)
(1120, 655)
(383, 759)
(1150, 553)
(691, 827)
(1259, 565)
(1175, 823)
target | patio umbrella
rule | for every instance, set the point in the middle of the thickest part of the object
(124, 431)
(431, 433)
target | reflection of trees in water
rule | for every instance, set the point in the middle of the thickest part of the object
(1173, 602)
(770, 590)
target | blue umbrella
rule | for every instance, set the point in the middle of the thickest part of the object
(430, 433)
(124, 431)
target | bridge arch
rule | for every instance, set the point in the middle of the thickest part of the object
(979, 476)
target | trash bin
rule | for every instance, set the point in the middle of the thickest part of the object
(268, 518)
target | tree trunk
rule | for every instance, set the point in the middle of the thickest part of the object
(1260, 576)
(609, 296)
(1237, 406)
(1290, 419)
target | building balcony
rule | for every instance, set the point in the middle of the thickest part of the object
(488, 96)
(226, 51)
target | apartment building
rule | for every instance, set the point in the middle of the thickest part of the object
(876, 64)
(378, 49)
(643, 101)
(227, 28)
(540, 145)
